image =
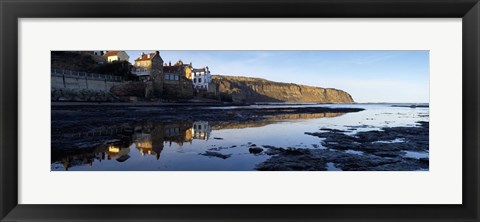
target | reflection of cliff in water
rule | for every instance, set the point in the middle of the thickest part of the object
(271, 119)
(150, 138)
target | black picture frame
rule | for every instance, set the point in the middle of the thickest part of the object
(11, 11)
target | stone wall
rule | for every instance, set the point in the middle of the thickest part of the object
(81, 83)
(83, 87)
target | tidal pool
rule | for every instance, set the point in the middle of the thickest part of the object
(198, 145)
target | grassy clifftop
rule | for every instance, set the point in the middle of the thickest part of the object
(247, 89)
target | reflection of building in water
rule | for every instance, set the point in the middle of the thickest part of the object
(78, 160)
(178, 132)
(150, 140)
(118, 153)
(147, 143)
(143, 143)
(201, 130)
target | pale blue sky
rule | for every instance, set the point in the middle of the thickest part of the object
(369, 76)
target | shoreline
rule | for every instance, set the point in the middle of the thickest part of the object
(146, 104)
(181, 104)
(366, 151)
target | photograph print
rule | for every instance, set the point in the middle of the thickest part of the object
(234, 110)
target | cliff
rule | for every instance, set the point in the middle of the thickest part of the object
(246, 89)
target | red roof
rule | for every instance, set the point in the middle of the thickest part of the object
(145, 57)
(112, 53)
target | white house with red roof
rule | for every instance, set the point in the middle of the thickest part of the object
(113, 56)
(148, 64)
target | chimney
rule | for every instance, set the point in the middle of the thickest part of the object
(143, 53)
(170, 63)
(157, 52)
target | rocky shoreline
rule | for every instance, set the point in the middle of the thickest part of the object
(83, 130)
(374, 150)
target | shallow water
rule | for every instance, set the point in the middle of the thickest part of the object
(180, 145)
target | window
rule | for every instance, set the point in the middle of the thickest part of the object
(167, 77)
(195, 80)
(176, 77)
(199, 80)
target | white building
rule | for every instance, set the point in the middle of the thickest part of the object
(113, 56)
(201, 130)
(201, 78)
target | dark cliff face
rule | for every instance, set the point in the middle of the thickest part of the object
(245, 89)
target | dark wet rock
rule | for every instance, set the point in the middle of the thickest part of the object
(253, 145)
(415, 138)
(359, 126)
(123, 158)
(292, 160)
(221, 148)
(216, 154)
(315, 145)
(304, 159)
(293, 151)
(424, 160)
(217, 138)
(413, 106)
(272, 150)
(387, 153)
(333, 130)
(255, 150)
(364, 151)
(216, 148)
